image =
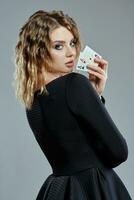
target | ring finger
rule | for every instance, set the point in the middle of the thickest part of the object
(96, 69)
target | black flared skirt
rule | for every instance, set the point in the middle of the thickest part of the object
(90, 184)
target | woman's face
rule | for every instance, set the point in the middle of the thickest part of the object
(62, 50)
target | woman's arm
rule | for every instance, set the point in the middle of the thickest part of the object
(85, 104)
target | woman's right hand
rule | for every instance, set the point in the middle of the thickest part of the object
(98, 74)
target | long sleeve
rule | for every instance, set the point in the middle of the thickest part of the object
(36, 122)
(85, 104)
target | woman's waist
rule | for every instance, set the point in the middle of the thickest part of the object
(71, 167)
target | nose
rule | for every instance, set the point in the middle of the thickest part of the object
(70, 51)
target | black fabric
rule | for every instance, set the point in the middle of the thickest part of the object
(80, 141)
(103, 99)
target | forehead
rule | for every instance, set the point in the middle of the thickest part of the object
(61, 33)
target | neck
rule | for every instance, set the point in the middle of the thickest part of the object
(51, 76)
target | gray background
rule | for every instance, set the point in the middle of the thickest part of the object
(107, 27)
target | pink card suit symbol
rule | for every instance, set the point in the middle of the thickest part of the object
(97, 56)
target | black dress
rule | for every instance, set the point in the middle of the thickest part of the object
(80, 141)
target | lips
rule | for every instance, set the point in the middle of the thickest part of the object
(70, 62)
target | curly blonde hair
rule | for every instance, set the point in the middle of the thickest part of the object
(32, 52)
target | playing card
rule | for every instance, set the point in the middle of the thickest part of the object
(81, 65)
(87, 57)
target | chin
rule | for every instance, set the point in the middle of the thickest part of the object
(70, 70)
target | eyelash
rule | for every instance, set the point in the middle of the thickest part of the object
(62, 45)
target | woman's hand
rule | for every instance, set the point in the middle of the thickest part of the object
(98, 74)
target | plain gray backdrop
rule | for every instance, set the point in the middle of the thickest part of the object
(107, 27)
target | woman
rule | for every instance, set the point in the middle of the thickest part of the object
(66, 111)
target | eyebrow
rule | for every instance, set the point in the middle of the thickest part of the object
(61, 41)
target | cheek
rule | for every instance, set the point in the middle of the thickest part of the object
(75, 52)
(57, 56)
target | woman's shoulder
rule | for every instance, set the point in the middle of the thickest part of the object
(70, 80)
(76, 79)
(77, 74)
(77, 84)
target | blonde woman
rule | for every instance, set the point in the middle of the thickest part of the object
(66, 111)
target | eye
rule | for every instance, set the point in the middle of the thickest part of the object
(58, 46)
(73, 43)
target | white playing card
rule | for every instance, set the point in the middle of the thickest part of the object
(89, 55)
(81, 65)
(86, 57)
